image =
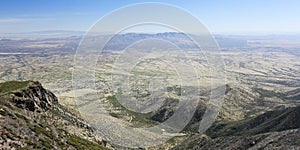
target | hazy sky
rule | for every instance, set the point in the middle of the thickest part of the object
(226, 16)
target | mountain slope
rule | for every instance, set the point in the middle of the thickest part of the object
(288, 139)
(32, 118)
(271, 121)
(278, 129)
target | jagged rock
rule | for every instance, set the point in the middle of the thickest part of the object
(34, 97)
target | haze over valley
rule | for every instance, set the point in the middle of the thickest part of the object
(262, 75)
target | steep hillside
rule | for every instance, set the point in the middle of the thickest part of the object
(272, 121)
(288, 139)
(274, 129)
(32, 118)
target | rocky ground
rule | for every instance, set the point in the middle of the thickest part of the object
(32, 118)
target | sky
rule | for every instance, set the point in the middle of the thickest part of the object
(219, 16)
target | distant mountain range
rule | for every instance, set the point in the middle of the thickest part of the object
(122, 40)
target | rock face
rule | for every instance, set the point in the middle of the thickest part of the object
(34, 97)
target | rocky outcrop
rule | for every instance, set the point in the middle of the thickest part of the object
(34, 97)
(166, 110)
(32, 118)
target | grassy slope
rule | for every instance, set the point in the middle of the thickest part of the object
(12, 86)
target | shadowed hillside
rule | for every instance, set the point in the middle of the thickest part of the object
(271, 130)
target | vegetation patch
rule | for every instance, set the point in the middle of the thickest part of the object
(138, 119)
(12, 86)
(79, 143)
